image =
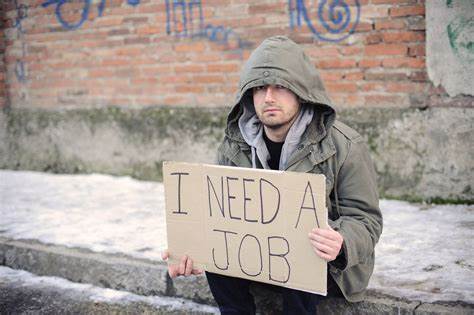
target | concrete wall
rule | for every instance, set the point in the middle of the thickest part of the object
(449, 45)
(419, 154)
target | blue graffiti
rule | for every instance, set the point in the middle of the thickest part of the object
(184, 23)
(338, 22)
(21, 14)
(20, 71)
(181, 21)
(84, 14)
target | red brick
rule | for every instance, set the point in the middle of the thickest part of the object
(322, 51)
(243, 22)
(390, 24)
(223, 67)
(207, 79)
(351, 50)
(407, 10)
(402, 87)
(190, 47)
(373, 39)
(336, 63)
(115, 62)
(189, 88)
(396, 37)
(341, 87)
(393, 1)
(188, 68)
(354, 76)
(100, 73)
(385, 49)
(380, 100)
(362, 26)
(372, 86)
(148, 29)
(385, 76)
(330, 76)
(207, 57)
(266, 8)
(405, 62)
(417, 50)
(419, 76)
(369, 63)
(173, 79)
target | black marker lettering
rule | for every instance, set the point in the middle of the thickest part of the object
(226, 250)
(229, 197)
(259, 251)
(261, 201)
(247, 199)
(282, 255)
(179, 193)
(221, 204)
(313, 207)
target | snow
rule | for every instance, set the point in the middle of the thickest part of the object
(97, 294)
(425, 251)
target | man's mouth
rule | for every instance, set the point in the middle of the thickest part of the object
(271, 109)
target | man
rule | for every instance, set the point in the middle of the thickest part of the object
(282, 119)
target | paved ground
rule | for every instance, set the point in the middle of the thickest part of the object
(109, 231)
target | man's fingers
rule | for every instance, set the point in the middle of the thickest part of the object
(331, 234)
(197, 272)
(189, 267)
(182, 265)
(323, 255)
(165, 254)
(324, 248)
(173, 271)
(322, 239)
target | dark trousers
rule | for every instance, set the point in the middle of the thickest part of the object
(233, 296)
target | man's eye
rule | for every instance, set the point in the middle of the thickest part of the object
(278, 86)
(258, 88)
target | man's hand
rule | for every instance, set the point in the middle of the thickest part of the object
(184, 268)
(326, 243)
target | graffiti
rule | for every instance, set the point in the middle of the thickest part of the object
(21, 14)
(86, 4)
(336, 20)
(461, 36)
(185, 19)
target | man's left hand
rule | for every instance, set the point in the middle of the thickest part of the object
(326, 243)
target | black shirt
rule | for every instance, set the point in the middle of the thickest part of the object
(274, 148)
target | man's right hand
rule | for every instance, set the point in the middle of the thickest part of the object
(184, 268)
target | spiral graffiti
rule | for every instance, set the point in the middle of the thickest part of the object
(86, 4)
(334, 16)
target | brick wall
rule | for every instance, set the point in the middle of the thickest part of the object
(172, 52)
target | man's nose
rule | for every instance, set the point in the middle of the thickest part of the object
(269, 95)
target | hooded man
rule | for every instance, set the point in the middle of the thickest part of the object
(282, 119)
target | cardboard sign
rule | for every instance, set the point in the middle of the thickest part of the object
(247, 223)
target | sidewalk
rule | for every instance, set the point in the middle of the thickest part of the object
(425, 253)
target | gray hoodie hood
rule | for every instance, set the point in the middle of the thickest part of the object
(279, 61)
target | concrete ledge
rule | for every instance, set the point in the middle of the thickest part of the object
(30, 294)
(418, 154)
(84, 266)
(145, 277)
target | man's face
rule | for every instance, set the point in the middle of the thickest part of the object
(276, 106)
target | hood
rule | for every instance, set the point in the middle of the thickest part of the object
(279, 60)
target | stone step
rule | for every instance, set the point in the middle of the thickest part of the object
(149, 278)
(25, 293)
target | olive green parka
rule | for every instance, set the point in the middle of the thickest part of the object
(327, 147)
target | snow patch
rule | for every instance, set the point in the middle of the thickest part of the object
(425, 251)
